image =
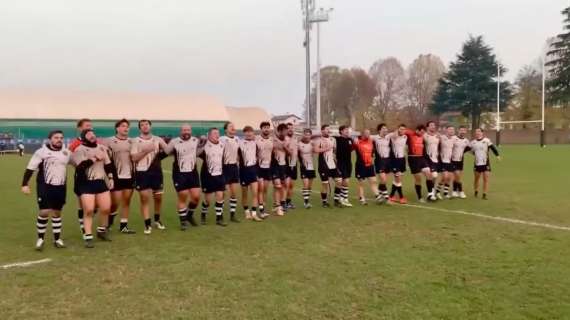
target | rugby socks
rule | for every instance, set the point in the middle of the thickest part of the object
(261, 208)
(80, 219)
(205, 207)
(220, 213)
(394, 189)
(233, 206)
(397, 188)
(430, 186)
(191, 209)
(283, 204)
(157, 217)
(324, 197)
(418, 190)
(56, 227)
(446, 189)
(41, 226)
(112, 216)
(455, 187)
(460, 187)
(336, 194)
(87, 237)
(288, 202)
(306, 195)
(384, 190)
(344, 193)
(245, 208)
(147, 223)
(124, 224)
(101, 230)
(182, 215)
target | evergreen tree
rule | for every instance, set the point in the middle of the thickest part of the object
(470, 85)
(559, 65)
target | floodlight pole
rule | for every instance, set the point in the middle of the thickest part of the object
(317, 18)
(542, 127)
(498, 121)
(308, 62)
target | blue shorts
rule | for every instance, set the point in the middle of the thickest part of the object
(248, 175)
(149, 180)
(186, 180)
(231, 173)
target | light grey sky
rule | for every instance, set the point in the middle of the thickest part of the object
(247, 52)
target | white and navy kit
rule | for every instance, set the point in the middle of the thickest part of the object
(292, 158)
(148, 170)
(432, 151)
(382, 151)
(184, 172)
(306, 160)
(480, 149)
(327, 159)
(247, 162)
(212, 174)
(51, 178)
(91, 175)
(279, 162)
(446, 153)
(398, 143)
(460, 147)
(231, 169)
(264, 157)
(120, 153)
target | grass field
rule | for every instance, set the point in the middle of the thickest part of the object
(389, 262)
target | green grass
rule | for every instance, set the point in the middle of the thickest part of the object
(361, 263)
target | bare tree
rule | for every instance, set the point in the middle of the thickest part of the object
(423, 75)
(389, 81)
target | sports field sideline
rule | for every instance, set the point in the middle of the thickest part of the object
(446, 260)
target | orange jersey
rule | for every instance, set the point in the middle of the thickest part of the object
(364, 151)
(415, 144)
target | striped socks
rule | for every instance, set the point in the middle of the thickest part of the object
(233, 206)
(306, 195)
(41, 226)
(182, 215)
(56, 227)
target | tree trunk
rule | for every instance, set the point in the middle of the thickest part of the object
(475, 121)
(352, 120)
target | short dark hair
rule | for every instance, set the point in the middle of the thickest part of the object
(213, 129)
(226, 125)
(81, 122)
(264, 124)
(380, 126)
(289, 124)
(308, 130)
(449, 126)
(479, 129)
(324, 126)
(120, 122)
(462, 127)
(430, 122)
(53, 133)
(341, 128)
(281, 127)
(247, 129)
(143, 121)
(420, 127)
(402, 125)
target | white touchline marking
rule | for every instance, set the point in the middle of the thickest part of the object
(24, 264)
(479, 215)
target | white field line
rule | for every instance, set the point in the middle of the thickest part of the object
(479, 215)
(24, 264)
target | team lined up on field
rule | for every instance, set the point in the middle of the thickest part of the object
(107, 171)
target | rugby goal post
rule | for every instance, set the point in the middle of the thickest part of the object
(541, 121)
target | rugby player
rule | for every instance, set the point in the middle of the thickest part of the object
(82, 125)
(480, 147)
(447, 141)
(94, 180)
(231, 168)
(325, 147)
(248, 173)
(364, 169)
(50, 161)
(185, 175)
(398, 143)
(418, 164)
(147, 151)
(305, 148)
(344, 147)
(292, 159)
(264, 159)
(460, 147)
(212, 177)
(432, 139)
(119, 148)
(279, 168)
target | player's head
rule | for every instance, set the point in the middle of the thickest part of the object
(214, 135)
(431, 127)
(420, 129)
(282, 130)
(402, 129)
(307, 135)
(290, 129)
(479, 133)
(325, 130)
(88, 137)
(265, 128)
(249, 133)
(122, 127)
(185, 131)
(230, 129)
(382, 129)
(462, 131)
(450, 131)
(56, 139)
(84, 124)
(365, 133)
(344, 130)
(145, 126)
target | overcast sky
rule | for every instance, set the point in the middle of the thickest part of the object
(246, 52)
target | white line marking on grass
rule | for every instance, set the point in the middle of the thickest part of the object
(24, 264)
(496, 218)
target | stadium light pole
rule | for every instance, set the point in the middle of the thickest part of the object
(498, 121)
(317, 18)
(307, 6)
(542, 127)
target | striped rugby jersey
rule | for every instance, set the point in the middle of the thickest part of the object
(51, 165)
